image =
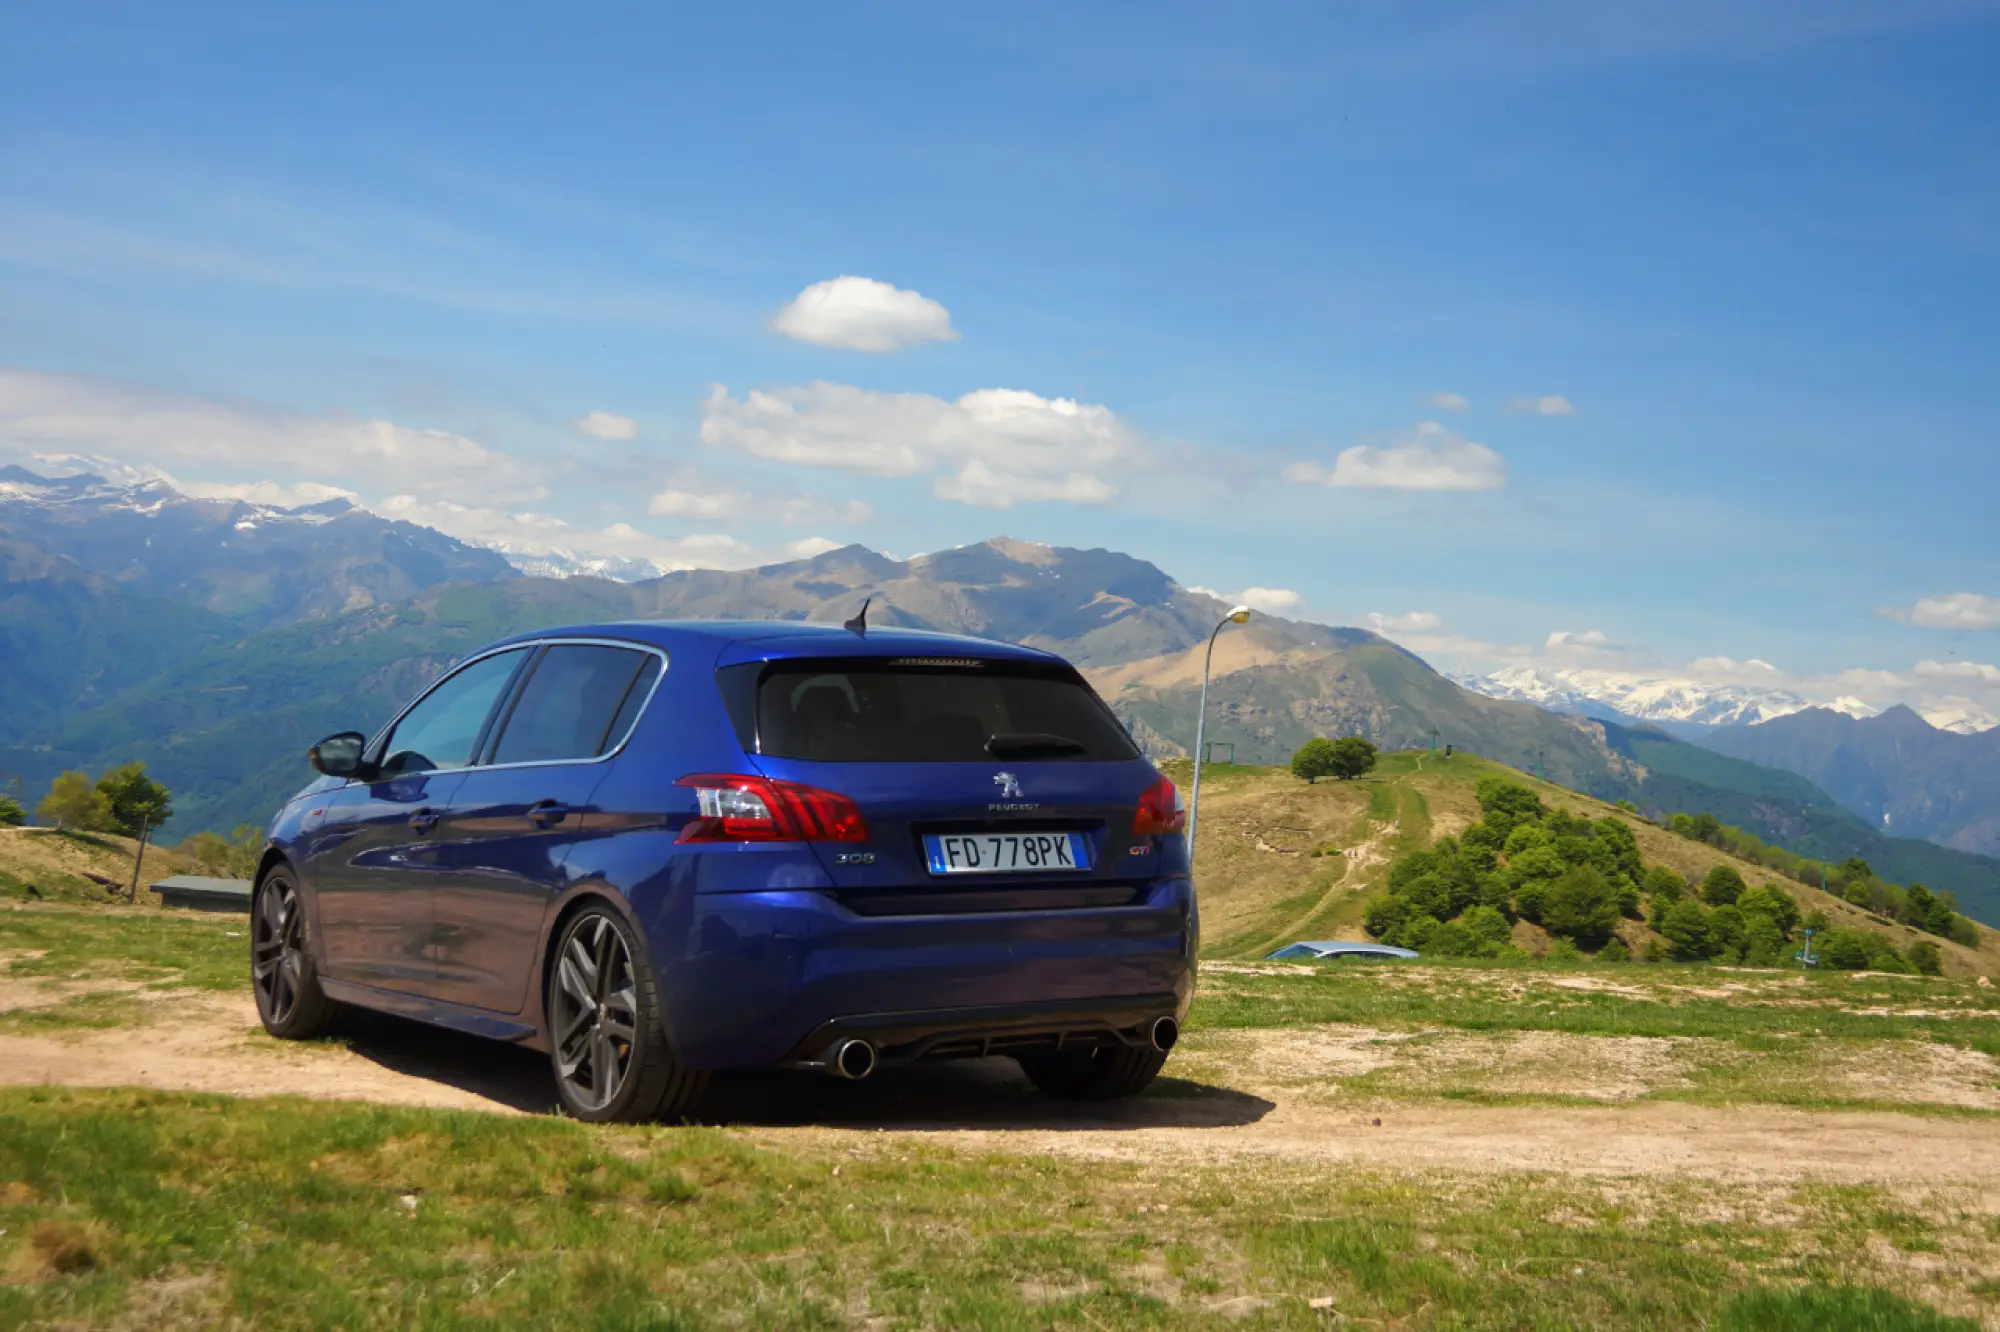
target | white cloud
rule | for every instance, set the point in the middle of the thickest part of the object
(267, 493)
(1271, 600)
(1731, 666)
(1552, 405)
(809, 547)
(607, 425)
(148, 429)
(1953, 610)
(1588, 640)
(1959, 670)
(1007, 445)
(714, 505)
(1432, 457)
(1450, 402)
(1416, 622)
(862, 314)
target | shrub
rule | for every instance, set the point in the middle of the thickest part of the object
(1531, 899)
(1416, 932)
(11, 813)
(1507, 804)
(1686, 929)
(1489, 926)
(1772, 902)
(1581, 906)
(1614, 950)
(1721, 886)
(1843, 950)
(1453, 939)
(1314, 759)
(1926, 958)
(1562, 950)
(1763, 942)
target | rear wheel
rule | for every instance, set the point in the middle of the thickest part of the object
(1105, 1073)
(606, 1037)
(282, 971)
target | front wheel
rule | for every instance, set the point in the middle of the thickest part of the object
(282, 971)
(1107, 1073)
(606, 1037)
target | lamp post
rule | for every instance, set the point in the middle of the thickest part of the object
(1236, 616)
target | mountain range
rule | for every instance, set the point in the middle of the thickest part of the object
(217, 639)
(1687, 707)
(1894, 769)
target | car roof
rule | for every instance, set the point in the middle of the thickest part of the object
(788, 638)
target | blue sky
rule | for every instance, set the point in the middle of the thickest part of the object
(1714, 282)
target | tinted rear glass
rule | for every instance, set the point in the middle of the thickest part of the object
(906, 711)
(573, 704)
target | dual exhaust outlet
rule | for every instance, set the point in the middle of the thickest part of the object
(854, 1058)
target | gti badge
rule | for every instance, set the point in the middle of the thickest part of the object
(1010, 786)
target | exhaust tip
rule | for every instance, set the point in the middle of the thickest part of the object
(854, 1060)
(1166, 1032)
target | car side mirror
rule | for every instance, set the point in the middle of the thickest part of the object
(339, 755)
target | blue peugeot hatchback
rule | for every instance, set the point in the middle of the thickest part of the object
(655, 850)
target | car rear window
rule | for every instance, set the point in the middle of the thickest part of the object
(927, 710)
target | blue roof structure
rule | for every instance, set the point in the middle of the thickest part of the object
(1322, 949)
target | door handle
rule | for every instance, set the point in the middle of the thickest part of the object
(423, 820)
(547, 813)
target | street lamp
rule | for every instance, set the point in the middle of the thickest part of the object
(1237, 616)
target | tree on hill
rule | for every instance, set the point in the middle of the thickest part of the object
(136, 801)
(1721, 886)
(1314, 759)
(11, 813)
(1352, 756)
(74, 804)
(1581, 905)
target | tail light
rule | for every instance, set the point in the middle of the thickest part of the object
(758, 809)
(1160, 811)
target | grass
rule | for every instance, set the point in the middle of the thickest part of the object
(182, 1211)
(1671, 1003)
(159, 948)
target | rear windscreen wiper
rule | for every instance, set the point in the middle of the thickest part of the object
(1027, 743)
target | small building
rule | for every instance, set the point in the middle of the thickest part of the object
(198, 892)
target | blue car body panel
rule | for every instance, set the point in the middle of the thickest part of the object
(761, 948)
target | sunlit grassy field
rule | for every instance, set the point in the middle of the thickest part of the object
(175, 1210)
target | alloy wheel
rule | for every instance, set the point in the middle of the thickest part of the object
(595, 1011)
(277, 950)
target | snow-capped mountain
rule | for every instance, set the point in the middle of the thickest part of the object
(1665, 699)
(580, 564)
(260, 563)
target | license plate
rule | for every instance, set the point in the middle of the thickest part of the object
(1006, 853)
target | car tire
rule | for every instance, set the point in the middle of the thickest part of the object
(1107, 1073)
(283, 974)
(607, 1036)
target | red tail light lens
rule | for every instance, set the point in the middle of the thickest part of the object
(1160, 811)
(735, 808)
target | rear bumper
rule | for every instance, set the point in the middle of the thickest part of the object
(968, 1033)
(762, 979)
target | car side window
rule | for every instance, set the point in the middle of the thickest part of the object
(578, 704)
(440, 732)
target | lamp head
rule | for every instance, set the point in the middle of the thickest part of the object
(1240, 615)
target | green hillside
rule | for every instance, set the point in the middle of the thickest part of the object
(1280, 860)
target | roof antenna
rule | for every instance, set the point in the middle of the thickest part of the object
(859, 624)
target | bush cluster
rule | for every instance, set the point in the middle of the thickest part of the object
(1575, 877)
(1579, 878)
(1853, 880)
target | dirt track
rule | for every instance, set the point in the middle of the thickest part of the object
(212, 1043)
